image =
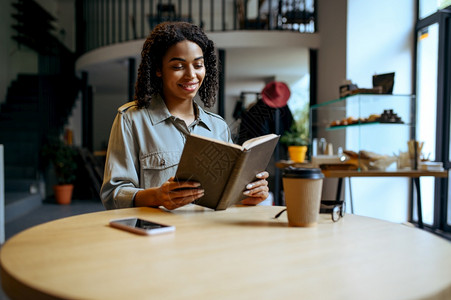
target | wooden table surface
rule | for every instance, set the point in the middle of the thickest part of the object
(239, 253)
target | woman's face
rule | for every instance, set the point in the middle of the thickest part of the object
(182, 71)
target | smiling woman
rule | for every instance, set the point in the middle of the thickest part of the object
(178, 62)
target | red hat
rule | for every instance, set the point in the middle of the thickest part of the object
(276, 94)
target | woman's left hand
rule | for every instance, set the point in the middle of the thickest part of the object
(257, 191)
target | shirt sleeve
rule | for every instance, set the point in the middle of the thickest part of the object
(121, 175)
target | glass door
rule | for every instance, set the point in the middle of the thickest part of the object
(427, 58)
(433, 91)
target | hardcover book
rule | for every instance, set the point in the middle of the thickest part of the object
(224, 169)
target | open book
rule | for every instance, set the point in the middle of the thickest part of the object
(224, 169)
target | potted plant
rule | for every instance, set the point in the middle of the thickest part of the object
(297, 137)
(63, 159)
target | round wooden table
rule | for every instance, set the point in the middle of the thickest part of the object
(239, 253)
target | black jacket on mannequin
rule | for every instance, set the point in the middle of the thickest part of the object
(261, 119)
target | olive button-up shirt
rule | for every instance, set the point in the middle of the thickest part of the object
(145, 147)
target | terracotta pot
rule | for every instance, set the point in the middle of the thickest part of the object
(63, 193)
(297, 153)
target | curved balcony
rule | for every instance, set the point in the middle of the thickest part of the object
(108, 22)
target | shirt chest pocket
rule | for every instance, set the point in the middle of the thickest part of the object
(158, 167)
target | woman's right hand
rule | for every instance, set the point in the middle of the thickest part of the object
(171, 194)
(174, 194)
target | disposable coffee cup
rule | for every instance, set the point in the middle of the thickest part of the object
(302, 188)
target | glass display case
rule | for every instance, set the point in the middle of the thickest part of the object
(371, 130)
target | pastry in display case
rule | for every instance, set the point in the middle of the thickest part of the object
(387, 116)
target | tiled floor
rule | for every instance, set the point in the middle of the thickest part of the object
(49, 211)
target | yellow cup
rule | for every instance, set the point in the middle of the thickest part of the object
(297, 153)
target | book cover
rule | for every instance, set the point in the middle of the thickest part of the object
(224, 169)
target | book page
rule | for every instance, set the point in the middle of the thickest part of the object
(217, 141)
(251, 162)
(258, 140)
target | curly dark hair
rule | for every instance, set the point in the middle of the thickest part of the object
(157, 43)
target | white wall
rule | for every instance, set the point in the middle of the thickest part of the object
(332, 18)
(331, 67)
(332, 24)
(380, 40)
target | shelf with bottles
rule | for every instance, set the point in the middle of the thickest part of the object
(378, 126)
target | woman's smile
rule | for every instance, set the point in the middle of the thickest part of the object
(190, 86)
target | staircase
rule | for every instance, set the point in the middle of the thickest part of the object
(20, 134)
(36, 104)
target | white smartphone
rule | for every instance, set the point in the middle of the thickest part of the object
(140, 226)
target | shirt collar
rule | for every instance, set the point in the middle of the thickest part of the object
(160, 112)
(203, 117)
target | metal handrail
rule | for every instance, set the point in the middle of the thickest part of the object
(106, 22)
